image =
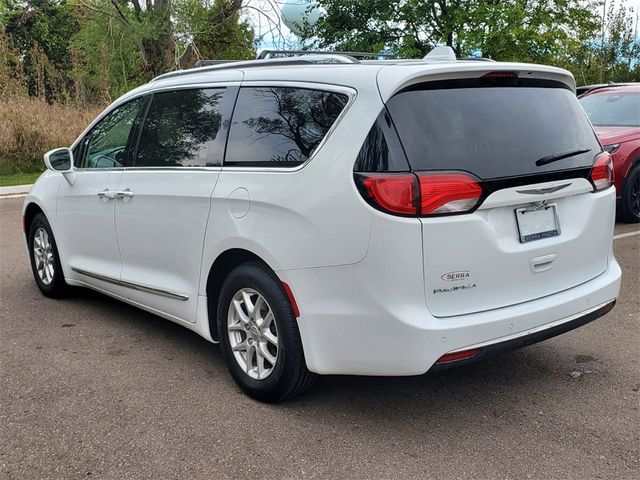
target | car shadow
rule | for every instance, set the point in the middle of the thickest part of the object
(488, 389)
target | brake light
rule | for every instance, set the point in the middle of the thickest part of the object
(602, 175)
(448, 193)
(393, 193)
(500, 75)
(420, 194)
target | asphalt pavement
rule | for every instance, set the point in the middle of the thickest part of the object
(93, 388)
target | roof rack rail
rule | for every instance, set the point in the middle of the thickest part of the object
(217, 65)
(208, 63)
(478, 59)
(264, 54)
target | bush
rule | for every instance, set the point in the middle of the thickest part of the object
(30, 126)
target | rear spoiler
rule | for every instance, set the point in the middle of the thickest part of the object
(393, 78)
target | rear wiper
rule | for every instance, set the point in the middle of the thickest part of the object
(559, 156)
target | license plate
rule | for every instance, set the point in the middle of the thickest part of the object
(537, 222)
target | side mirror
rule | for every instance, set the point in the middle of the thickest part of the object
(59, 160)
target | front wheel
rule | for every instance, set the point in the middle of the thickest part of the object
(630, 201)
(259, 335)
(45, 260)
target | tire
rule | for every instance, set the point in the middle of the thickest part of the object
(630, 201)
(250, 333)
(47, 273)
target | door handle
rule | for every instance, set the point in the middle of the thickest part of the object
(107, 194)
(124, 194)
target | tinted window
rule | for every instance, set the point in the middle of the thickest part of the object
(613, 108)
(381, 151)
(180, 129)
(280, 126)
(492, 132)
(106, 144)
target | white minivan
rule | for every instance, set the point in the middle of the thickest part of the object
(325, 215)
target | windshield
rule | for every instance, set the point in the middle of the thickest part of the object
(493, 132)
(613, 109)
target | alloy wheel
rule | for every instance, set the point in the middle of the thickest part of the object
(253, 333)
(43, 256)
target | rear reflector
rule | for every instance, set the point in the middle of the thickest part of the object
(448, 193)
(462, 355)
(602, 175)
(292, 300)
(394, 193)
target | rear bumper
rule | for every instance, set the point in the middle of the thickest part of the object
(351, 326)
(493, 348)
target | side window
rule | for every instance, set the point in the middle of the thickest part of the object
(106, 144)
(381, 150)
(181, 128)
(280, 126)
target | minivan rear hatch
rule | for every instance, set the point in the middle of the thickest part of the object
(540, 228)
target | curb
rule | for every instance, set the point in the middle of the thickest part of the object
(14, 191)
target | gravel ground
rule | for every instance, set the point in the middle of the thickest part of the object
(92, 388)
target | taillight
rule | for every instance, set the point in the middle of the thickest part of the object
(421, 194)
(448, 193)
(393, 193)
(602, 173)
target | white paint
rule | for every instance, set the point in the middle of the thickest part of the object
(360, 277)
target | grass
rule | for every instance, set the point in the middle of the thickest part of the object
(29, 128)
(18, 178)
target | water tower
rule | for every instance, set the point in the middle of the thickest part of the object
(296, 13)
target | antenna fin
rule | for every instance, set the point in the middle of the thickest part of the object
(441, 54)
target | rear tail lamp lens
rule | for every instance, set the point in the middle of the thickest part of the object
(448, 193)
(421, 194)
(602, 174)
(393, 193)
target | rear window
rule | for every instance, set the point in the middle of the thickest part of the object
(492, 132)
(613, 109)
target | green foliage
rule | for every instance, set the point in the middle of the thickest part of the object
(212, 29)
(557, 32)
(105, 54)
(38, 34)
(92, 51)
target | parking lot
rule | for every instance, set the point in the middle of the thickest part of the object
(93, 388)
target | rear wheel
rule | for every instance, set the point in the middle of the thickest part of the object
(45, 260)
(630, 201)
(259, 335)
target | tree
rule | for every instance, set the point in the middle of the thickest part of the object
(39, 32)
(212, 29)
(526, 30)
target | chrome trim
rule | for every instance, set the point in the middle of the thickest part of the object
(542, 191)
(133, 286)
(159, 169)
(350, 92)
(127, 97)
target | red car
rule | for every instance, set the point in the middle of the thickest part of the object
(614, 111)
